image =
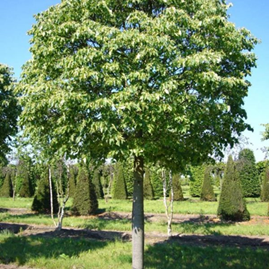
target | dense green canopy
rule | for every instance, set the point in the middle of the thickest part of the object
(9, 109)
(161, 79)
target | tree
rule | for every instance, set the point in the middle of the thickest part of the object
(231, 203)
(248, 173)
(9, 109)
(119, 187)
(85, 201)
(207, 193)
(42, 202)
(148, 80)
(265, 186)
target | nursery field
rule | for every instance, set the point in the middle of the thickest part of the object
(200, 239)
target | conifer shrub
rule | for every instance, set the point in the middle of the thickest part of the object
(96, 180)
(119, 186)
(73, 172)
(248, 173)
(178, 193)
(6, 189)
(156, 181)
(85, 200)
(41, 202)
(26, 188)
(148, 190)
(265, 186)
(207, 193)
(196, 180)
(232, 205)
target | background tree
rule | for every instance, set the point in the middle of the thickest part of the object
(96, 180)
(148, 190)
(231, 203)
(207, 193)
(6, 189)
(73, 180)
(42, 202)
(119, 187)
(265, 186)
(148, 80)
(248, 173)
(23, 177)
(178, 193)
(85, 201)
(196, 179)
(9, 109)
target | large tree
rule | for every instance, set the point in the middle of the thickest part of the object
(9, 109)
(152, 80)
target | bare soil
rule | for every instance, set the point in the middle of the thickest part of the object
(151, 237)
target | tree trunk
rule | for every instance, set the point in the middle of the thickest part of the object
(138, 215)
(51, 197)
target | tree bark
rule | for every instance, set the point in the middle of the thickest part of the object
(138, 215)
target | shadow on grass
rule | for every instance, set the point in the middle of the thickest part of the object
(176, 253)
(21, 249)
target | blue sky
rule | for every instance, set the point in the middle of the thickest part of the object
(16, 18)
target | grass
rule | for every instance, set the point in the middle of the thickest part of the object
(64, 253)
(41, 252)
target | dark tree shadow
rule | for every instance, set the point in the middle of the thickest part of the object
(207, 252)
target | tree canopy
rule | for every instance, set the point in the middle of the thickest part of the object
(153, 80)
(9, 109)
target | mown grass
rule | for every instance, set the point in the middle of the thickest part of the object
(190, 206)
(64, 253)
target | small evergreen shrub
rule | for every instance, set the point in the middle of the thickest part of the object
(178, 193)
(148, 190)
(265, 186)
(41, 202)
(97, 183)
(26, 189)
(119, 186)
(196, 180)
(73, 172)
(207, 193)
(231, 203)
(248, 173)
(85, 200)
(6, 189)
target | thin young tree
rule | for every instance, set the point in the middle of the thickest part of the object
(155, 81)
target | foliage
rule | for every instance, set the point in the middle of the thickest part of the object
(119, 186)
(232, 205)
(248, 173)
(218, 172)
(148, 190)
(85, 201)
(261, 166)
(265, 186)
(41, 202)
(207, 193)
(9, 109)
(178, 193)
(196, 180)
(6, 189)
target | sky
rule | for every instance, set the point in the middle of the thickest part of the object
(16, 18)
